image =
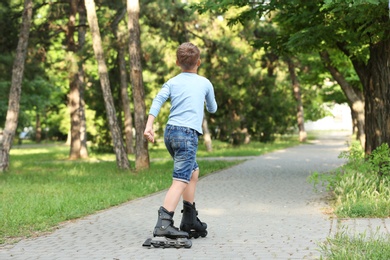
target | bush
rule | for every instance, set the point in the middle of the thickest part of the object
(380, 160)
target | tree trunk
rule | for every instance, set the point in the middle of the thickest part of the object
(355, 100)
(141, 148)
(206, 135)
(38, 127)
(74, 108)
(81, 74)
(120, 152)
(74, 84)
(377, 96)
(11, 122)
(128, 127)
(297, 94)
(210, 53)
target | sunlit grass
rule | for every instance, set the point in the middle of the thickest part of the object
(224, 149)
(357, 188)
(349, 247)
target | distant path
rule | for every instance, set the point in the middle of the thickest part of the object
(261, 209)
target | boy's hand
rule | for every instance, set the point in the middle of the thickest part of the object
(149, 134)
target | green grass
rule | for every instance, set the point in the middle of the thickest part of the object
(43, 188)
(357, 187)
(359, 191)
(222, 149)
(347, 247)
(48, 194)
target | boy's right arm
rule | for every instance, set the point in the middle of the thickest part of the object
(211, 103)
(158, 101)
(149, 133)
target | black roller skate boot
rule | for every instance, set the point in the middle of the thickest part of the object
(190, 222)
(166, 234)
(165, 227)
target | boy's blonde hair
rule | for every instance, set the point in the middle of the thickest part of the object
(187, 55)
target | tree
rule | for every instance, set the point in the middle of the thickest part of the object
(141, 149)
(16, 86)
(354, 96)
(74, 83)
(120, 46)
(81, 73)
(292, 28)
(211, 48)
(179, 29)
(297, 94)
(361, 26)
(358, 28)
(120, 152)
(266, 36)
(248, 79)
(367, 24)
(76, 104)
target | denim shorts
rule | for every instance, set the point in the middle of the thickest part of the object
(182, 144)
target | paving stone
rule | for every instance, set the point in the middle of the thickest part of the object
(261, 209)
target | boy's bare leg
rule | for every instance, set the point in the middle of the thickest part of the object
(190, 221)
(164, 229)
(189, 192)
(173, 195)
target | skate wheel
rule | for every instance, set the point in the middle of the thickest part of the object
(158, 244)
(188, 244)
(183, 242)
(194, 235)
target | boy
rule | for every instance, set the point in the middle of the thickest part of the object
(188, 93)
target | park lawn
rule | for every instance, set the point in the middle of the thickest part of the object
(43, 188)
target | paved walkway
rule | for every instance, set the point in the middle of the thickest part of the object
(260, 209)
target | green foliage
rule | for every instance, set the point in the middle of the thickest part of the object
(352, 3)
(5, 84)
(355, 156)
(256, 103)
(10, 15)
(284, 30)
(38, 94)
(243, 63)
(348, 247)
(362, 186)
(361, 23)
(379, 160)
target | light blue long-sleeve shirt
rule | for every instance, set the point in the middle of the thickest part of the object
(188, 93)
